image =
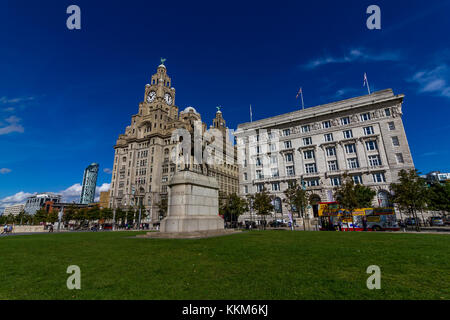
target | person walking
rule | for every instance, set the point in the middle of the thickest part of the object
(364, 222)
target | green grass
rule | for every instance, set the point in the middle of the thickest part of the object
(251, 265)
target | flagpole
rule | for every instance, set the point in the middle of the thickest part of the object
(303, 104)
(366, 82)
(251, 116)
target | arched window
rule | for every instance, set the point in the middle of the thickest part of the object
(383, 199)
(277, 205)
(314, 200)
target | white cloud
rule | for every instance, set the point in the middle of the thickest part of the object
(12, 125)
(6, 100)
(107, 170)
(70, 194)
(5, 170)
(18, 198)
(353, 55)
(434, 81)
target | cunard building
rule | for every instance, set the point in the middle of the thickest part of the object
(363, 137)
(144, 155)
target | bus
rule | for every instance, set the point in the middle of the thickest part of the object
(378, 219)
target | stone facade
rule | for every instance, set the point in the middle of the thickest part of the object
(143, 161)
(362, 136)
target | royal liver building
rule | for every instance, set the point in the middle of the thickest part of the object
(144, 159)
(363, 137)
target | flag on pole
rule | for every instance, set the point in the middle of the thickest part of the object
(251, 116)
(366, 82)
(300, 92)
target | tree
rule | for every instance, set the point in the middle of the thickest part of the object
(352, 196)
(162, 207)
(439, 197)
(41, 215)
(53, 216)
(233, 207)
(120, 216)
(69, 214)
(410, 194)
(296, 198)
(262, 203)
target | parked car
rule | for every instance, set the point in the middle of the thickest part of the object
(447, 220)
(410, 221)
(436, 221)
(107, 226)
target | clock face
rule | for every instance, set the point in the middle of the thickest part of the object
(168, 99)
(151, 96)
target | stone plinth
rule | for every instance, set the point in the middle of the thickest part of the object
(193, 204)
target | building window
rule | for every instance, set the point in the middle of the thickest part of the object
(308, 154)
(259, 174)
(310, 168)
(353, 163)
(357, 179)
(273, 160)
(387, 112)
(378, 177)
(260, 187)
(258, 162)
(275, 172)
(276, 186)
(306, 128)
(332, 165)
(307, 141)
(399, 158)
(326, 124)
(273, 147)
(371, 145)
(245, 176)
(331, 151)
(335, 181)
(290, 171)
(348, 134)
(391, 126)
(289, 157)
(374, 161)
(287, 144)
(312, 182)
(395, 141)
(286, 132)
(328, 137)
(345, 121)
(365, 116)
(368, 130)
(245, 189)
(350, 148)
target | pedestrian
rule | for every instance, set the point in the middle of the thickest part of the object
(5, 229)
(50, 228)
(364, 222)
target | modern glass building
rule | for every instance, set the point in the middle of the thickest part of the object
(89, 184)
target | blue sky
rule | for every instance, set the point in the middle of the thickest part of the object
(66, 95)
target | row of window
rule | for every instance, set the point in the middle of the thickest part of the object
(327, 124)
(378, 177)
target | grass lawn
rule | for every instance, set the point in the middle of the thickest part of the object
(251, 265)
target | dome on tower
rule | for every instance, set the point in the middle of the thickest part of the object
(189, 109)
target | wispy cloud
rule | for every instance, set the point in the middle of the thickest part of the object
(354, 55)
(5, 170)
(345, 92)
(8, 101)
(434, 80)
(10, 125)
(107, 170)
(70, 194)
